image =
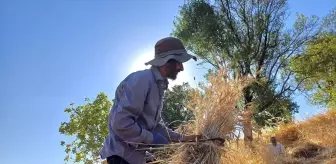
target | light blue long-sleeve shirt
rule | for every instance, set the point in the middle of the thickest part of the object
(135, 115)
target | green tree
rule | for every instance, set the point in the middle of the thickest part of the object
(88, 123)
(249, 39)
(174, 113)
(88, 126)
(318, 66)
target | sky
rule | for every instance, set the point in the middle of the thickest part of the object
(54, 52)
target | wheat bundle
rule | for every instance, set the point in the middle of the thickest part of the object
(214, 107)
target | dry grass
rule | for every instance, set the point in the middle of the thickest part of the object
(312, 141)
(320, 130)
(308, 142)
(215, 116)
(243, 155)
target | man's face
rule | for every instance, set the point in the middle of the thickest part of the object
(173, 67)
(273, 140)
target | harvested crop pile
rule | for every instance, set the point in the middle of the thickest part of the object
(308, 150)
(312, 141)
(319, 130)
(309, 155)
(216, 115)
(309, 141)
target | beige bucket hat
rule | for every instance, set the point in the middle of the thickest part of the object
(170, 48)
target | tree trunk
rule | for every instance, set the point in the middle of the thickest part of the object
(247, 128)
(247, 122)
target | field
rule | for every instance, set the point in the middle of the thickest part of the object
(312, 141)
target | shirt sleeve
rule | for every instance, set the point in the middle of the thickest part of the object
(133, 93)
(168, 133)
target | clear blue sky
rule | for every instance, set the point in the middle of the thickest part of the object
(54, 52)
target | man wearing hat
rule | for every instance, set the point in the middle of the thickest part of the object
(135, 118)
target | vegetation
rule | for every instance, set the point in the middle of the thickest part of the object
(88, 123)
(174, 112)
(249, 38)
(317, 129)
(88, 127)
(317, 66)
(257, 65)
(215, 117)
(310, 142)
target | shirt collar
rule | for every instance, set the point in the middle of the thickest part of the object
(158, 77)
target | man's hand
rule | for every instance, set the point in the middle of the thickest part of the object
(192, 138)
(158, 139)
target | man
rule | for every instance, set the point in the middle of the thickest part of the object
(276, 148)
(135, 118)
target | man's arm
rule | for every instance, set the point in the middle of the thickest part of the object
(129, 108)
(168, 133)
(174, 136)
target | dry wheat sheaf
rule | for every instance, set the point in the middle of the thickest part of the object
(214, 107)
